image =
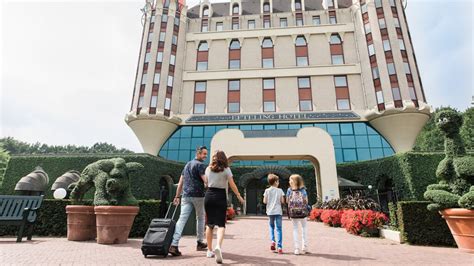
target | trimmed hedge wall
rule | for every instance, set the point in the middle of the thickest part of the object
(409, 173)
(422, 227)
(52, 219)
(56, 165)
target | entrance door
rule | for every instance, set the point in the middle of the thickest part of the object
(254, 197)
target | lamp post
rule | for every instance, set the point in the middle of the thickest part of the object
(376, 192)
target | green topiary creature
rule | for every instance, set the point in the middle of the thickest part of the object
(111, 180)
(456, 171)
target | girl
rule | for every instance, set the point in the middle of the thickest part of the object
(297, 199)
(215, 202)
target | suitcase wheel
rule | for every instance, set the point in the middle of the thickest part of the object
(145, 256)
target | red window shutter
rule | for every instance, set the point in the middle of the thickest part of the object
(268, 95)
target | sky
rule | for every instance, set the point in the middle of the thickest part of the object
(68, 67)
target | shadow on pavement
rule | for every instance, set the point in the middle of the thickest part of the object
(245, 259)
(336, 257)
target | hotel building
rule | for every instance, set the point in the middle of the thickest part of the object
(271, 68)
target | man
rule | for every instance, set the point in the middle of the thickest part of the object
(191, 184)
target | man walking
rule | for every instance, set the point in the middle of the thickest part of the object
(191, 184)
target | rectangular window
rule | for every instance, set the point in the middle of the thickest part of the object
(305, 94)
(337, 59)
(386, 45)
(402, 44)
(397, 22)
(156, 79)
(251, 24)
(301, 61)
(367, 28)
(150, 36)
(269, 95)
(170, 81)
(162, 36)
(396, 94)
(379, 96)
(371, 49)
(406, 66)
(144, 79)
(364, 8)
(391, 69)
(378, 3)
(154, 101)
(266, 22)
(392, 3)
(316, 20)
(375, 72)
(204, 25)
(147, 57)
(173, 59)
(234, 64)
(174, 40)
(200, 97)
(283, 22)
(219, 26)
(235, 23)
(267, 63)
(332, 17)
(167, 103)
(412, 92)
(382, 23)
(176, 21)
(299, 19)
(233, 96)
(342, 93)
(164, 18)
(159, 57)
(201, 66)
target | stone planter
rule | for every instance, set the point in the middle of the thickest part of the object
(461, 223)
(80, 223)
(114, 223)
(391, 235)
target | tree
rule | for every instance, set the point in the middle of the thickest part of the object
(430, 137)
(14, 146)
(4, 157)
(467, 129)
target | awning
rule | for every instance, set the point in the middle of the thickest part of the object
(345, 183)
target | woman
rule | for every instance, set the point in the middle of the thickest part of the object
(219, 178)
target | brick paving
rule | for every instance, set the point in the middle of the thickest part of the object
(246, 243)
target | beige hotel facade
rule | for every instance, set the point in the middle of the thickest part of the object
(247, 75)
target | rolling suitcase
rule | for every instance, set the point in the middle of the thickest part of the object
(159, 235)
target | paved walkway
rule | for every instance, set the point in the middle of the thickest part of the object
(246, 243)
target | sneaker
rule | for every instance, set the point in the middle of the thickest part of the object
(297, 251)
(174, 251)
(209, 254)
(280, 251)
(272, 247)
(201, 246)
(218, 254)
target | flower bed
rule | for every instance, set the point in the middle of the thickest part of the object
(331, 217)
(363, 222)
(315, 215)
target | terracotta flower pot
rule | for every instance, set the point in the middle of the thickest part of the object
(114, 223)
(461, 224)
(80, 223)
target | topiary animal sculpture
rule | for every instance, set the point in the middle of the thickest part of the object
(456, 171)
(111, 180)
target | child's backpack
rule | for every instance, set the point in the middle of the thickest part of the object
(297, 208)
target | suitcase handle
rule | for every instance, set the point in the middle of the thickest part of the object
(174, 212)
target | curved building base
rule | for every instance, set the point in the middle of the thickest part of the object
(400, 127)
(152, 130)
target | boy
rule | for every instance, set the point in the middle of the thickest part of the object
(274, 197)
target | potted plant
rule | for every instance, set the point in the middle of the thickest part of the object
(115, 206)
(453, 196)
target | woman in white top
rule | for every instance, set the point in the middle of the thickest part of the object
(219, 178)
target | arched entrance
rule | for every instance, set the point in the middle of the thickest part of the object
(255, 183)
(312, 144)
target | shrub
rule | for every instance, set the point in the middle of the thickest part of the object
(331, 217)
(392, 210)
(422, 227)
(52, 219)
(363, 222)
(315, 215)
(353, 202)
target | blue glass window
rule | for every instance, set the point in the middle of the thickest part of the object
(348, 142)
(375, 142)
(363, 154)
(360, 129)
(185, 144)
(282, 126)
(269, 127)
(186, 132)
(346, 129)
(294, 126)
(336, 141)
(339, 157)
(198, 132)
(376, 153)
(350, 155)
(362, 141)
(209, 131)
(174, 144)
(333, 129)
(257, 127)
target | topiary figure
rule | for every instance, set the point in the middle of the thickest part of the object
(456, 171)
(111, 180)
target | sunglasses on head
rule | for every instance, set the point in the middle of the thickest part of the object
(200, 148)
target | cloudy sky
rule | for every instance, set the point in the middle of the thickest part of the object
(68, 67)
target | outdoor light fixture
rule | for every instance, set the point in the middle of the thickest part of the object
(60, 193)
(369, 186)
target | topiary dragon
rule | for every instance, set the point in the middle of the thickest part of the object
(456, 171)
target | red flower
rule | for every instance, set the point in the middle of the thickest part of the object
(315, 215)
(331, 217)
(360, 221)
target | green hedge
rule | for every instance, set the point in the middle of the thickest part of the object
(145, 185)
(419, 226)
(409, 173)
(52, 219)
